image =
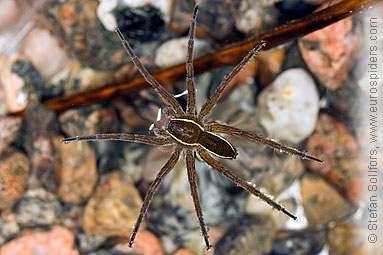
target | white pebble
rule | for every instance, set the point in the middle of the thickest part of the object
(174, 51)
(288, 108)
(105, 14)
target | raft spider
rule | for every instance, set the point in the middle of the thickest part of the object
(189, 133)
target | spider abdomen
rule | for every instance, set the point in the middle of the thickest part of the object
(217, 145)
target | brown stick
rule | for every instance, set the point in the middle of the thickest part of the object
(227, 56)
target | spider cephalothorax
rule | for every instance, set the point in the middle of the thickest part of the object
(189, 133)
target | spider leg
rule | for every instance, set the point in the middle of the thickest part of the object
(153, 140)
(169, 98)
(194, 192)
(219, 128)
(206, 108)
(152, 189)
(247, 186)
(190, 106)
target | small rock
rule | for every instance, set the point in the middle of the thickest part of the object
(321, 203)
(298, 243)
(251, 235)
(143, 24)
(14, 173)
(269, 65)
(10, 13)
(183, 251)
(12, 86)
(348, 238)
(145, 243)
(9, 129)
(57, 241)
(38, 208)
(8, 225)
(334, 143)
(88, 120)
(94, 46)
(89, 243)
(78, 171)
(34, 83)
(174, 51)
(114, 207)
(216, 17)
(330, 52)
(252, 17)
(288, 108)
(43, 50)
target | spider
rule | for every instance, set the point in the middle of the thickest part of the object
(189, 133)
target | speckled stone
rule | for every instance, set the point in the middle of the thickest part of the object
(348, 238)
(251, 235)
(8, 225)
(57, 241)
(254, 18)
(334, 143)
(43, 50)
(38, 208)
(76, 26)
(330, 53)
(78, 174)
(174, 51)
(321, 202)
(14, 172)
(88, 120)
(113, 208)
(288, 108)
(40, 129)
(12, 86)
(145, 243)
(216, 17)
(9, 129)
(298, 243)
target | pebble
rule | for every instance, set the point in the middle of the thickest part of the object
(38, 208)
(12, 86)
(330, 53)
(58, 241)
(174, 51)
(299, 243)
(145, 243)
(113, 208)
(8, 225)
(9, 129)
(143, 24)
(250, 235)
(254, 18)
(183, 251)
(88, 120)
(10, 13)
(14, 173)
(164, 5)
(94, 46)
(288, 108)
(216, 18)
(269, 65)
(89, 243)
(334, 143)
(321, 202)
(43, 50)
(348, 238)
(77, 176)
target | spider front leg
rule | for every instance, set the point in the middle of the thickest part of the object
(247, 186)
(210, 103)
(190, 106)
(153, 188)
(190, 165)
(169, 98)
(219, 128)
(122, 137)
